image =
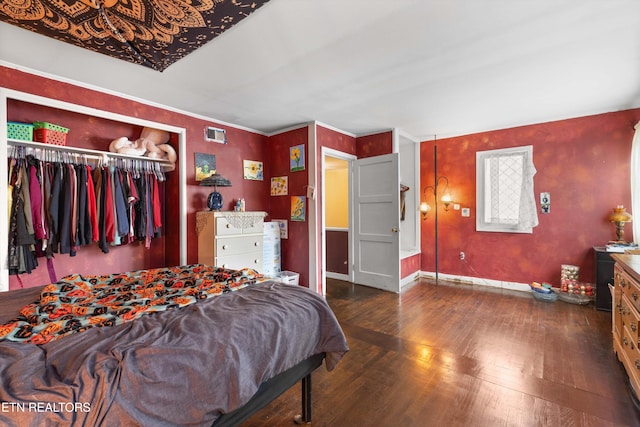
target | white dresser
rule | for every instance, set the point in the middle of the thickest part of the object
(230, 239)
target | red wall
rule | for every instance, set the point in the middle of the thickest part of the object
(337, 251)
(295, 249)
(242, 145)
(583, 163)
(374, 145)
(409, 265)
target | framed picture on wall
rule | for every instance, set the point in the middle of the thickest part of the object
(296, 158)
(298, 208)
(284, 228)
(205, 165)
(253, 170)
(279, 185)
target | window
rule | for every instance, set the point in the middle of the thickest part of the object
(504, 190)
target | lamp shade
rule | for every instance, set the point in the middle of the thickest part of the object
(619, 214)
(215, 180)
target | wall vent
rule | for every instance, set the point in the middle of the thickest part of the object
(215, 135)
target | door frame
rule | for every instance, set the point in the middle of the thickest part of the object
(330, 152)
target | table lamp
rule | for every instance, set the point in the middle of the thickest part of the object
(619, 216)
(214, 201)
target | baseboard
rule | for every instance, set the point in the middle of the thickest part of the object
(501, 284)
(409, 279)
(337, 276)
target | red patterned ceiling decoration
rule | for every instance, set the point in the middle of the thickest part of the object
(153, 33)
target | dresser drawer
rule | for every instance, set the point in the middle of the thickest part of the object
(630, 356)
(250, 225)
(253, 227)
(632, 292)
(630, 321)
(237, 245)
(225, 228)
(238, 261)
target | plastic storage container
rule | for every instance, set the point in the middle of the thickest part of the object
(290, 277)
(20, 131)
(50, 133)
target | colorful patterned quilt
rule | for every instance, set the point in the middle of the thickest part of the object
(77, 303)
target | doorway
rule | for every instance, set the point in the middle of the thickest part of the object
(337, 235)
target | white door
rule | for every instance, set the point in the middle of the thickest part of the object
(376, 205)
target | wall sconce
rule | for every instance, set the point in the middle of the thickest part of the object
(434, 189)
(446, 200)
(619, 217)
(424, 210)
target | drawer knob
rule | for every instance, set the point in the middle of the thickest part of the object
(256, 244)
(224, 247)
(637, 364)
(228, 225)
(625, 341)
(255, 261)
(633, 326)
(634, 296)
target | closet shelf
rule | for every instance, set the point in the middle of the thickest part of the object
(94, 154)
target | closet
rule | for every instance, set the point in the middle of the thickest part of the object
(87, 148)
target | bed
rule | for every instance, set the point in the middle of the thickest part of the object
(222, 347)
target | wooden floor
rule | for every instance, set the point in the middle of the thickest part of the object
(460, 355)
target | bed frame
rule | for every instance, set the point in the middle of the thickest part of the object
(271, 389)
(267, 392)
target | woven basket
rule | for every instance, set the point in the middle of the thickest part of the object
(20, 131)
(50, 133)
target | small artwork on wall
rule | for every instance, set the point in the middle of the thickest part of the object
(279, 185)
(284, 228)
(298, 208)
(205, 165)
(253, 170)
(296, 158)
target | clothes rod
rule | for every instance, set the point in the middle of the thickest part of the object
(97, 154)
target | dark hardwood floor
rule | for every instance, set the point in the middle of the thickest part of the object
(459, 355)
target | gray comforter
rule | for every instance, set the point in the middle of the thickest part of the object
(179, 367)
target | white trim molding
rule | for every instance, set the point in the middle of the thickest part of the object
(468, 280)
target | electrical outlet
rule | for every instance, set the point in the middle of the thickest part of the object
(462, 255)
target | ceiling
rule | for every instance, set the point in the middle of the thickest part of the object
(426, 67)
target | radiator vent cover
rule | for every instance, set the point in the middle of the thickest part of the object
(215, 134)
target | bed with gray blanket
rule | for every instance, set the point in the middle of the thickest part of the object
(189, 364)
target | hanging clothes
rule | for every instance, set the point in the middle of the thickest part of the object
(56, 171)
(58, 205)
(21, 241)
(91, 208)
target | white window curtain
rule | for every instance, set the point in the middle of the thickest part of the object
(635, 183)
(509, 195)
(528, 210)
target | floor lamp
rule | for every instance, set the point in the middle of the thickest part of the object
(433, 189)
